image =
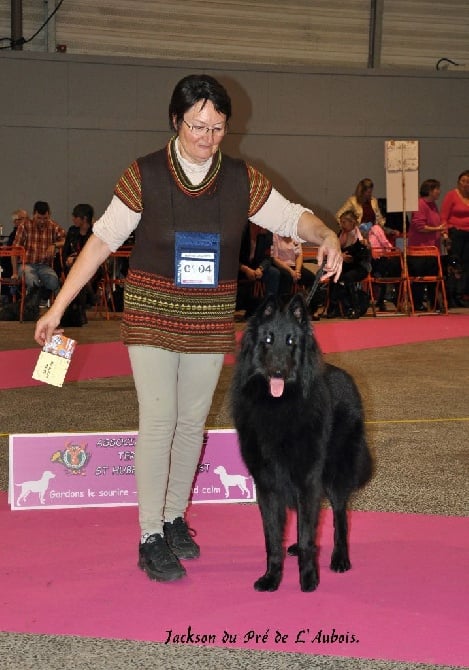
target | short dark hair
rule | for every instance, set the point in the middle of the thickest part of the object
(192, 89)
(84, 211)
(465, 173)
(41, 207)
(427, 186)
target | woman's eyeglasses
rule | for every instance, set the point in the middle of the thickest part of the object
(199, 131)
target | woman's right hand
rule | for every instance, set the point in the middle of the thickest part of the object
(47, 326)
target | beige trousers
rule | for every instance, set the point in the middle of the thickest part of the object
(174, 394)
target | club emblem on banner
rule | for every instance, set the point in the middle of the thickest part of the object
(74, 457)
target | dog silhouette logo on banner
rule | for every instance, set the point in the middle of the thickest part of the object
(227, 481)
(38, 486)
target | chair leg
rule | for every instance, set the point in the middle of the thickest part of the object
(440, 292)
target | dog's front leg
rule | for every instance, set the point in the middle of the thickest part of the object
(308, 506)
(340, 561)
(273, 518)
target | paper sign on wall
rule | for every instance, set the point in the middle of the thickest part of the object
(402, 176)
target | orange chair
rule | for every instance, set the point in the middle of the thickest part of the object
(249, 288)
(110, 280)
(367, 286)
(19, 253)
(310, 255)
(393, 257)
(436, 278)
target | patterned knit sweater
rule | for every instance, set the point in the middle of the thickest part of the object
(156, 311)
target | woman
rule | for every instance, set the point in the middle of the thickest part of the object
(356, 265)
(255, 263)
(425, 230)
(381, 266)
(189, 201)
(455, 218)
(287, 256)
(363, 204)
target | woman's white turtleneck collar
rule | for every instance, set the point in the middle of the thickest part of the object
(195, 172)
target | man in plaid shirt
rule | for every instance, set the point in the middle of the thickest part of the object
(41, 237)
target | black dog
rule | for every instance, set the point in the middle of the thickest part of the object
(301, 431)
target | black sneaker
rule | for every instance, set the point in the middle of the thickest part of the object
(178, 536)
(158, 561)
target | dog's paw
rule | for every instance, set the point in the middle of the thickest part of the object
(340, 562)
(267, 583)
(293, 550)
(309, 581)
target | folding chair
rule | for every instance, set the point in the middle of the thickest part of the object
(392, 258)
(310, 255)
(20, 283)
(111, 278)
(424, 267)
(249, 290)
(367, 286)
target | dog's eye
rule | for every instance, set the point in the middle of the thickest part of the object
(269, 339)
(290, 340)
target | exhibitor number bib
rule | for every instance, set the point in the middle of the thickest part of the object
(197, 259)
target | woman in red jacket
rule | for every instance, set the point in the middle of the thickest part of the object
(455, 217)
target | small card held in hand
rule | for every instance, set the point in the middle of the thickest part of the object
(54, 359)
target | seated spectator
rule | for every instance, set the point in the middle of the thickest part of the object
(365, 207)
(41, 237)
(381, 266)
(287, 256)
(255, 263)
(77, 236)
(17, 217)
(425, 229)
(363, 204)
(356, 266)
(6, 265)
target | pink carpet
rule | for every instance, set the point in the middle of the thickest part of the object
(110, 359)
(73, 572)
(90, 361)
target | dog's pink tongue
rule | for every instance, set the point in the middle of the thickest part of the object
(276, 386)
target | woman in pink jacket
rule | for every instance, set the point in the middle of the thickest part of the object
(425, 230)
(381, 266)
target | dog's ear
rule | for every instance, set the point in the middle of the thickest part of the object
(268, 307)
(265, 310)
(297, 307)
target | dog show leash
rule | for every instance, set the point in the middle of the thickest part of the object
(317, 279)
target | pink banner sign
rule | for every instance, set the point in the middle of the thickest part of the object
(54, 470)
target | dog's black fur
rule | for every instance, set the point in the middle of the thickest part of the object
(305, 441)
